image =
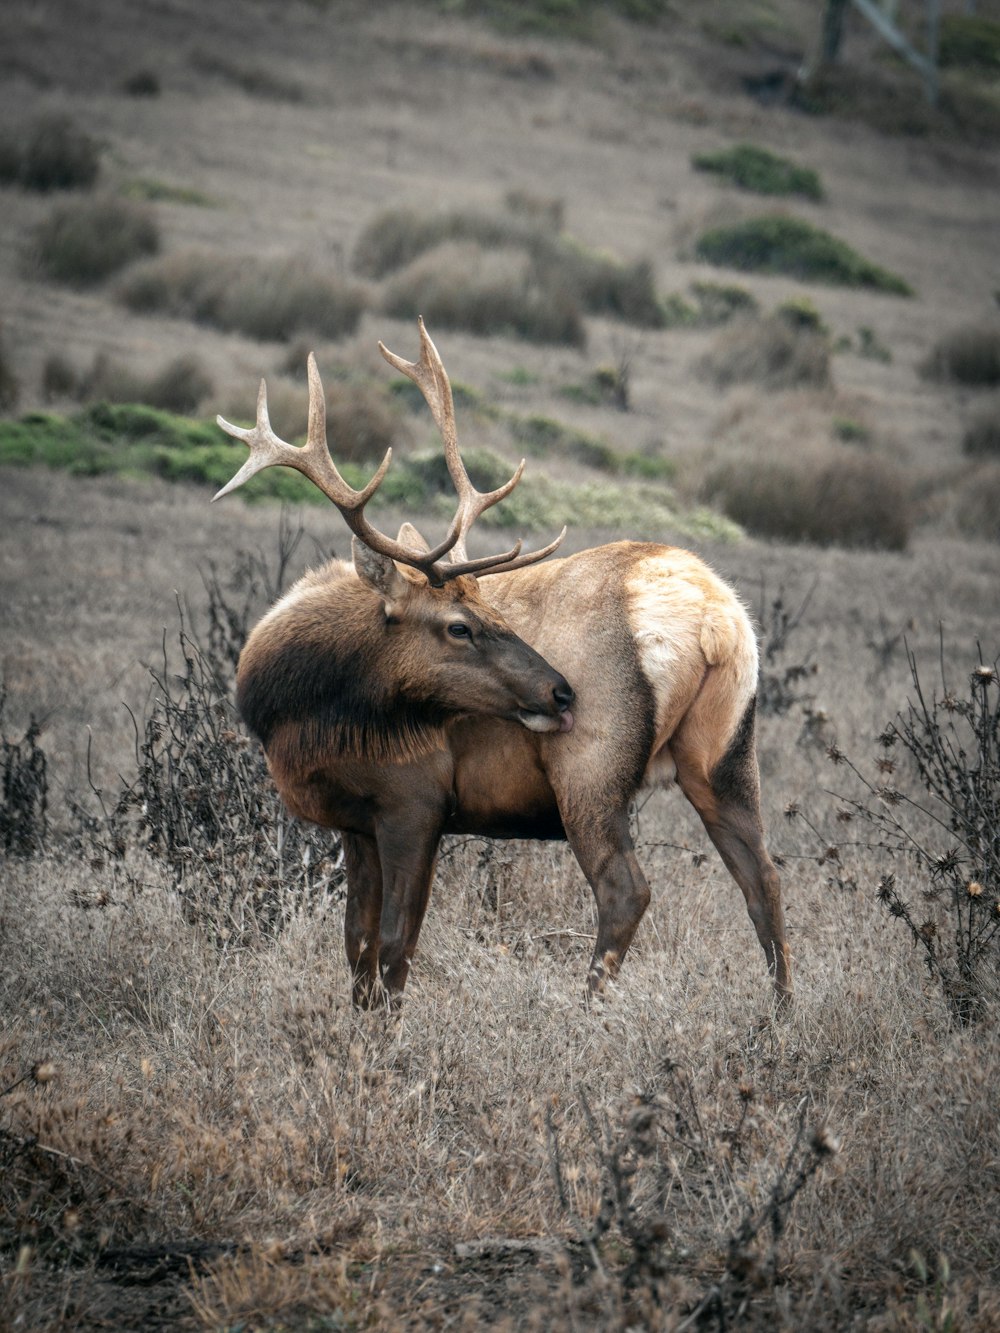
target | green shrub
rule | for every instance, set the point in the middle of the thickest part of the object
(718, 302)
(150, 191)
(970, 41)
(460, 286)
(55, 155)
(849, 500)
(543, 435)
(772, 351)
(871, 347)
(850, 431)
(982, 435)
(800, 313)
(759, 170)
(84, 242)
(181, 386)
(778, 244)
(133, 440)
(969, 355)
(264, 299)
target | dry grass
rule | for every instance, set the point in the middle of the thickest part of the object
(222, 1130)
(224, 1142)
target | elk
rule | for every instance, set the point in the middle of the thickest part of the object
(397, 699)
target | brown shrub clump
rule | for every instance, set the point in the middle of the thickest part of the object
(776, 351)
(982, 435)
(264, 299)
(968, 355)
(84, 242)
(459, 285)
(830, 499)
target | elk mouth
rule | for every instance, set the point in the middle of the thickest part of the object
(561, 721)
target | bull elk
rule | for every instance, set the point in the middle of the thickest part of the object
(397, 700)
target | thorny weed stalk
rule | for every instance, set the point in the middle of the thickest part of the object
(25, 790)
(779, 688)
(949, 746)
(202, 800)
(667, 1176)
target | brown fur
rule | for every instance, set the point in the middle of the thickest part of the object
(378, 723)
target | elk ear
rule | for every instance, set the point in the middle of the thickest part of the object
(378, 571)
(409, 536)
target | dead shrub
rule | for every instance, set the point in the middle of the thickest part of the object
(84, 242)
(55, 155)
(202, 801)
(24, 793)
(851, 500)
(459, 285)
(933, 803)
(968, 355)
(775, 351)
(271, 300)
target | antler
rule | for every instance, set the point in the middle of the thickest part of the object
(431, 378)
(313, 459)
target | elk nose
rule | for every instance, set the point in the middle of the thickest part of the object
(563, 695)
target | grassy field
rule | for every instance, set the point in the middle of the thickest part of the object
(196, 1130)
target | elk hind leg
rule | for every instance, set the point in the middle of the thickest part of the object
(603, 846)
(726, 794)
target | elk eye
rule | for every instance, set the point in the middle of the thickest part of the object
(460, 630)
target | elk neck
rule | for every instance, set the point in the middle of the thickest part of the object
(322, 661)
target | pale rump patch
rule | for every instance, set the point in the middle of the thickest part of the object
(686, 621)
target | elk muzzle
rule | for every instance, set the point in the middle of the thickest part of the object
(555, 715)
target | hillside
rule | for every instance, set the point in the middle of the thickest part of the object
(196, 1128)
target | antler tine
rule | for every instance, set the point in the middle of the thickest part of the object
(432, 380)
(314, 460)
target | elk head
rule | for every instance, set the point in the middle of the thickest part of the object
(446, 646)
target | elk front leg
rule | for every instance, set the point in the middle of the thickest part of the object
(363, 915)
(603, 846)
(407, 851)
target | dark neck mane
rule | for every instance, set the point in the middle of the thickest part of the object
(321, 663)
